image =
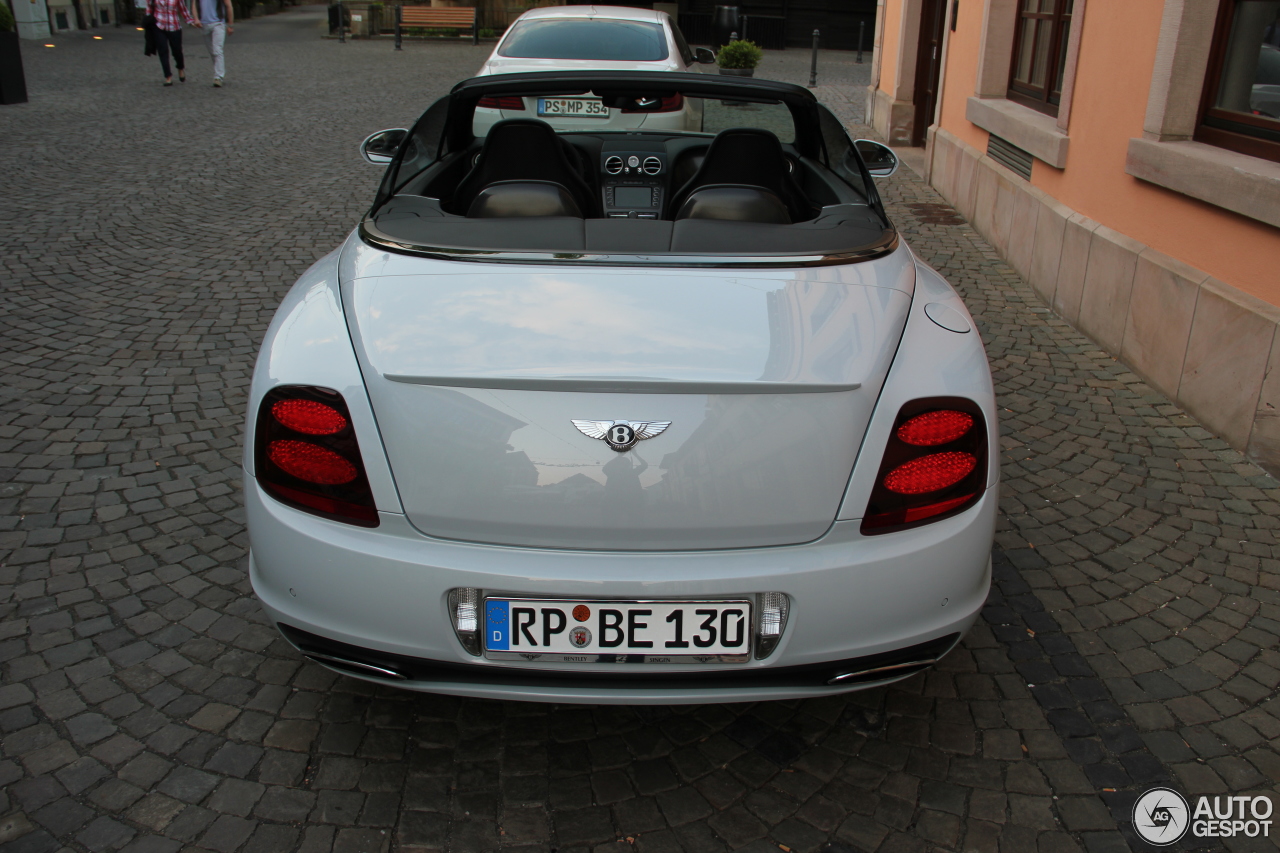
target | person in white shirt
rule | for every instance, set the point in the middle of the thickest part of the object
(218, 19)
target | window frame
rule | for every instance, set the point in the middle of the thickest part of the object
(1221, 137)
(1050, 99)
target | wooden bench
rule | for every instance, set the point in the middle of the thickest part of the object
(436, 17)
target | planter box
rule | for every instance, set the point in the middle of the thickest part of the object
(13, 83)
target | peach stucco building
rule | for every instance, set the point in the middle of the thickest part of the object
(1124, 157)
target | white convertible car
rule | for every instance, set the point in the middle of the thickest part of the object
(589, 415)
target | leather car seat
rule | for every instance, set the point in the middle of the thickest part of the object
(524, 149)
(746, 157)
(523, 198)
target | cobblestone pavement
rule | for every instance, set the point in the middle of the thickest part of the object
(146, 705)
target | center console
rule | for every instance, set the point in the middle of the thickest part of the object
(633, 179)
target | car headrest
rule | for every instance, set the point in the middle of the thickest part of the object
(523, 198)
(735, 202)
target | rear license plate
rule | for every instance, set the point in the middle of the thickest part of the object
(617, 631)
(577, 107)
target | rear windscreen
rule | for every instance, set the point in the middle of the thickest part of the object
(585, 38)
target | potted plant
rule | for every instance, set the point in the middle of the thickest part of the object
(739, 58)
(13, 84)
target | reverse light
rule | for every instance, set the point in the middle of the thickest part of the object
(306, 455)
(502, 102)
(934, 466)
(464, 610)
(771, 621)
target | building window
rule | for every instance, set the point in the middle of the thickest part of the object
(1040, 53)
(1240, 109)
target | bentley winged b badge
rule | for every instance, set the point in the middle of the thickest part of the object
(621, 435)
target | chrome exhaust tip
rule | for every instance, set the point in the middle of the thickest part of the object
(354, 666)
(878, 673)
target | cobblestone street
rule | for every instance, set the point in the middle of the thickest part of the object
(1132, 636)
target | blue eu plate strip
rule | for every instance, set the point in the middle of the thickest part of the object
(497, 619)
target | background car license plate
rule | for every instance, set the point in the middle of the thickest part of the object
(581, 107)
(618, 631)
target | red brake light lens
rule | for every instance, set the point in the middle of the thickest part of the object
(309, 417)
(929, 473)
(934, 466)
(934, 428)
(503, 102)
(312, 463)
(306, 455)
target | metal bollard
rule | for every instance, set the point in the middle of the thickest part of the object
(862, 31)
(813, 68)
(342, 36)
(398, 8)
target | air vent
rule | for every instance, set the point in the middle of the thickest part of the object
(1009, 155)
(652, 165)
(613, 164)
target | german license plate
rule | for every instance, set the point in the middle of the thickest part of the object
(575, 107)
(617, 631)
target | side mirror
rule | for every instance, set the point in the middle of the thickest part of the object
(380, 147)
(880, 159)
(704, 56)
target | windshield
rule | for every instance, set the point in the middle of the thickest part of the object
(585, 38)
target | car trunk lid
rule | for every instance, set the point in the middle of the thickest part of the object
(768, 383)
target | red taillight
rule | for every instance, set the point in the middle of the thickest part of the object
(306, 461)
(929, 473)
(309, 417)
(503, 102)
(933, 428)
(669, 104)
(934, 466)
(306, 455)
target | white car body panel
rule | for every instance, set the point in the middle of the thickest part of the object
(386, 589)
(465, 368)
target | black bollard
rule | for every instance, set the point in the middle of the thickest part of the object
(813, 68)
(398, 8)
(862, 31)
(342, 36)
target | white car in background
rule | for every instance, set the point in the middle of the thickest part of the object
(581, 38)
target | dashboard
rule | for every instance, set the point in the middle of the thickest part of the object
(634, 178)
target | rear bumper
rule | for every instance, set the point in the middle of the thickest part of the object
(379, 596)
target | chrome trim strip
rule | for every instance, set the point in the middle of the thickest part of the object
(887, 670)
(371, 234)
(367, 668)
(621, 385)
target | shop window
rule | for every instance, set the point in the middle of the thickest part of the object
(1040, 53)
(1240, 109)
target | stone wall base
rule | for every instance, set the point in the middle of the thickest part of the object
(892, 119)
(1207, 345)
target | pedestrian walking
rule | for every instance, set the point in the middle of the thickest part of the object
(218, 20)
(169, 15)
